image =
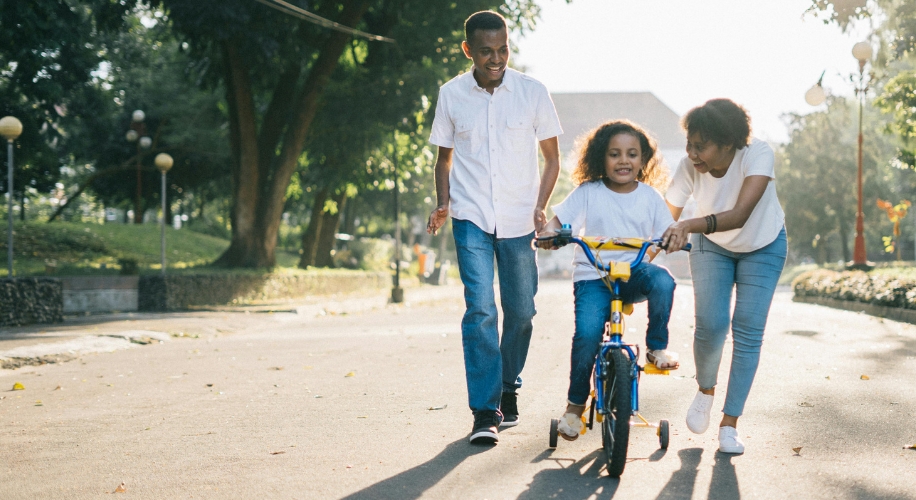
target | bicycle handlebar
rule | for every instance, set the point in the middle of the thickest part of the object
(564, 237)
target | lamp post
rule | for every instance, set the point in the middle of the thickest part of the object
(862, 52)
(163, 163)
(138, 131)
(10, 128)
(397, 293)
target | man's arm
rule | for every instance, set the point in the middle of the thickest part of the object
(439, 214)
(550, 148)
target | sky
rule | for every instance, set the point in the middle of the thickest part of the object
(763, 55)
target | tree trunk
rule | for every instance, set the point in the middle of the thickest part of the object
(311, 233)
(844, 241)
(259, 187)
(22, 206)
(327, 236)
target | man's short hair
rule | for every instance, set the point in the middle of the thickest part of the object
(483, 20)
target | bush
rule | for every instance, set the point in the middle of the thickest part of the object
(371, 254)
(879, 289)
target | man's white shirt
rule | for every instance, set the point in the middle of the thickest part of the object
(494, 180)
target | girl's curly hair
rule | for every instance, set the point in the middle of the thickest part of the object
(593, 151)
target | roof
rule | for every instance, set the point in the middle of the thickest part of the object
(581, 112)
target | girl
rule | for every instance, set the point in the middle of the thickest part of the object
(616, 173)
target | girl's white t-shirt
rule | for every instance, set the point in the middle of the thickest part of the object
(594, 210)
(718, 195)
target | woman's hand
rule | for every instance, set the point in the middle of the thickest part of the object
(676, 236)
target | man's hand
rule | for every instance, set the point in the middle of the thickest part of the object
(547, 244)
(540, 219)
(437, 219)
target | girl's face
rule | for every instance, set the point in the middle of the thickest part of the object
(709, 157)
(623, 162)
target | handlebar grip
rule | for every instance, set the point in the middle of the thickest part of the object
(687, 247)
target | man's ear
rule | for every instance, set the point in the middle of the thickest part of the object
(466, 48)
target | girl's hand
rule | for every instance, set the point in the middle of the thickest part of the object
(676, 237)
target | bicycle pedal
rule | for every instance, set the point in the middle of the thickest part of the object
(651, 369)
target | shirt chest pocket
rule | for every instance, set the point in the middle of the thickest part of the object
(467, 141)
(519, 133)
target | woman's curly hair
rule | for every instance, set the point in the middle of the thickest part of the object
(593, 151)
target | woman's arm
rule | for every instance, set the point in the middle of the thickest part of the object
(751, 191)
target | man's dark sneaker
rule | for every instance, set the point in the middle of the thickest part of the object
(485, 430)
(509, 408)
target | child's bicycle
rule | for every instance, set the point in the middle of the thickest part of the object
(616, 387)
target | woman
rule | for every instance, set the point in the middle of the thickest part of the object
(739, 242)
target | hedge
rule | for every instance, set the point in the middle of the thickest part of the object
(24, 301)
(859, 286)
(182, 292)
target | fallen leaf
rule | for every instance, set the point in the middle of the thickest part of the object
(58, 388)
(827, 377)
(351, 374)
(363, 416)
(805, 404)
(122, 488)
(437, 407)
(18, 387)
(277, 368)
(277, 452)
(209, 385)
(349, 466)
(797, 450)
(864, 377)
(910, 447)
(39, 403)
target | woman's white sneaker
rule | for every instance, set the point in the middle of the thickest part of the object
(698, 414)
(729, 442)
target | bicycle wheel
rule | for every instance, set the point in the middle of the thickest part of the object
(615, 429)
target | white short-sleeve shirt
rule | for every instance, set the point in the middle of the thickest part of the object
(494, 180)
(594, 210)
(718, 195)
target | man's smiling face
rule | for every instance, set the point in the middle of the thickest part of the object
(489, 49)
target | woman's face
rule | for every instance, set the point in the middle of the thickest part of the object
(707, 156)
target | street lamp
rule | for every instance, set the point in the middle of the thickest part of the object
(397, 293)
(816, 96)
(10, 128)
(138, 131)
(862, 52)
(163, 163)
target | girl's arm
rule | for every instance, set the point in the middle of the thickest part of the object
(751, 191)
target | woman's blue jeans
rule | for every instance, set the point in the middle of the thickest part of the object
(493, 366)
(753, 275)
(593, 307)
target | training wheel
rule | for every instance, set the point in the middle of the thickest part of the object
(663, 434)
(554, 423)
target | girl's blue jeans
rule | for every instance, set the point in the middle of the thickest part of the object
(593, 307)
(492, 366)
(753, 275)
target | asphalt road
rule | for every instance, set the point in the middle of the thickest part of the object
(353, 398)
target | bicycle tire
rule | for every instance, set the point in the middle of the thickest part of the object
(615, 429)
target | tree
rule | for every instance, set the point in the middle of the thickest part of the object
(816, 175)
(48, 50)
(275, 69)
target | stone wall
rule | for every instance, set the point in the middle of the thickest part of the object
(24, 301)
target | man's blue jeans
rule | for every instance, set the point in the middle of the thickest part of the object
(593, 307)
(493, 366)
(753, 276)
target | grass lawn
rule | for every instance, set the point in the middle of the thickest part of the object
(70, 248)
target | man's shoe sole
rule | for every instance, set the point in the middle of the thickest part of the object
(484, 437)
(508, 423)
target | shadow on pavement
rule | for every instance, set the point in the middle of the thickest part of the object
(724, 483)
(413, 483)
(683, 480)
(571, 481)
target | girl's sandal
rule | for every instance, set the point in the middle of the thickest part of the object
(570, 427)
(663, 359)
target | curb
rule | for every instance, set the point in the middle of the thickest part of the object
(893, 313)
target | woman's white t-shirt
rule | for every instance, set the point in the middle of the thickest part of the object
(594, 210)
(718, 195)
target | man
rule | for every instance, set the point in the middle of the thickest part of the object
(486, 126)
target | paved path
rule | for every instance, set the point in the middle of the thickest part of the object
(353, 398)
